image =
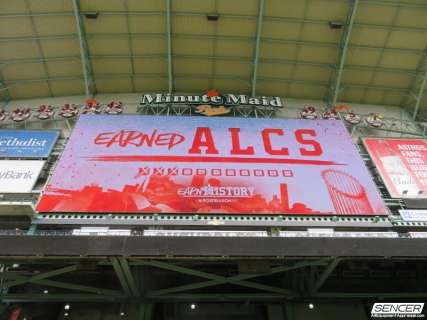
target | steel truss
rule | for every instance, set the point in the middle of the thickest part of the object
(149, 281)
(187, 110)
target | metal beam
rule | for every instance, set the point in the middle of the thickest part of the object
(324, 276)
(130, 43)
(295, 66)
(188, 271)
(6, 63)
(220, 297)
(344, 46)
(3, 307)
(415, 77)
(60, 297)
(223, 16)
(257, 45)
(380, 56)
(89, 81)
(268, 296)
(32, 229)
(18, 297)
(217, 280)
(350, 295)
(120, 275)
(250, 39)
(419, 96)
(42, 276)
(148, 311)
(176, 268)
(129, 277)
(25, 297)
(39, 46)
(71, 286)
(145, 311)
(33, 38)
(6, 96)
(185, 287)
(203, 76)
(321, 44)
(169, 45)
(4, 88)
(420, 72)
(229, 280)
(395, 3)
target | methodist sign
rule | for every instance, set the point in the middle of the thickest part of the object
(402, 164)
(19, 176)
(197, 165)
(27, 143)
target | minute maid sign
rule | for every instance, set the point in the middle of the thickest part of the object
(211, 98)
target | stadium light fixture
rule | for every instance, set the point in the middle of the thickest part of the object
(335, 24)
(212, 17)
(91, 15)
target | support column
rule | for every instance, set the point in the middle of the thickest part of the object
(32, 230)
(3, 307)
(289, 310)
(275, 312)
(145, 311)
(3, 289)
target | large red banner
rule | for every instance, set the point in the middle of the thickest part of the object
(402, 164)
(193, 165)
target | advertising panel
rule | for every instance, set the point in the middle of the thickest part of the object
(19, 176)
(27, 143)
(202, 165)
(413, 215)
(402, 164)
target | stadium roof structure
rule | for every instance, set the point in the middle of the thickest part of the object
(361, 51)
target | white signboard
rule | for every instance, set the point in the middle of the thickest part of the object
(413, 215)
(19, 176)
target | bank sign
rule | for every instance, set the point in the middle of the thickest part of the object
(19, 176)
(199, 165)
(27, 143)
